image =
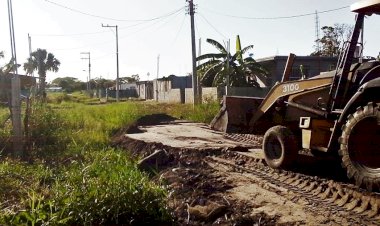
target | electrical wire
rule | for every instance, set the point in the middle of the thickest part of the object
(113, 19)
(166, 22)
(121, 37)
(278, 17)
(89, 33)
(204, 18)
(146, 27)
(196, 26)
(65, 35)
(179, 31)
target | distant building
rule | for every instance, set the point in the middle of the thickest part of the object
(54, 89)
(171, 88)
(312, 66)
(126, 90)
(145, 90)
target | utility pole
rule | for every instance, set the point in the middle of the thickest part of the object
(89, 68)
(30, 49)
(194, 53)
(317, 45)
(17, 138)
(158, 71)
(30, 45)
(228, 67)
(117, 60)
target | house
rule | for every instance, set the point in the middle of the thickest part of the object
(312, 66)
(171, 88)
(54, 89)
(126, 90)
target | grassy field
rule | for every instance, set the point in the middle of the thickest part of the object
(71, 175)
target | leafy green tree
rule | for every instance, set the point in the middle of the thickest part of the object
(41, 61)
(103, 83)
(131, 79)
(332, 39)
(69, 84)
(222, 67)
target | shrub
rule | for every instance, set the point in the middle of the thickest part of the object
(109, 189)
(46, 131)
(104, 188)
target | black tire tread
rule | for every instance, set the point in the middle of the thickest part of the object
(362, 178)
(288, 143)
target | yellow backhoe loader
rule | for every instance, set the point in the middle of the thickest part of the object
(335, 113)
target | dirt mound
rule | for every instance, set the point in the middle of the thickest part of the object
(220, 179)
(154, 119)
(198, 193)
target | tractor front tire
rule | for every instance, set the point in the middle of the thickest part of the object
(280, 147)
(360, 146)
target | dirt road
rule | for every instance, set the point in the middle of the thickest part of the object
(221, 179)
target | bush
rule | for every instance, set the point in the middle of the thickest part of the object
(109, 189)
(46, 131)
(104, 188)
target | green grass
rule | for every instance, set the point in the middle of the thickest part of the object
(5, 128)
(71, 175)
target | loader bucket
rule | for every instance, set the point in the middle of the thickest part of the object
(235, 114)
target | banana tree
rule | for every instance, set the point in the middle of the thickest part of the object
(222, 68)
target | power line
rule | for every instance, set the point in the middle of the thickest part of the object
(108, 18)
(179, 31)
(102, 32)
(212, 26)
(166, 22)
(278, 17)
(64, 35)
(196, 27)
(122, 37)
(88, 33)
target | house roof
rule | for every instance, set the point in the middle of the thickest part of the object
(279, 57)
(366, 6)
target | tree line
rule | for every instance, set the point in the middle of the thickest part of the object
(41, 61)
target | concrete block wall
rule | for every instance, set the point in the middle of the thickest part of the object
(189, 96)
(163, 96)
(174, 96)
(209, 94)
(212, 94)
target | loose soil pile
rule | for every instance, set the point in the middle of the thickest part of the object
(206, 193)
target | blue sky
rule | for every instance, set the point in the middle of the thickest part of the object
(56, 25)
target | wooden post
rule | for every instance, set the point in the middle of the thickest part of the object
(17, 138)
(288, 67)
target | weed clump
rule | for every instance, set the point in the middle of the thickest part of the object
(72, 176)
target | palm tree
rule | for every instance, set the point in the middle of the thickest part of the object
(222, 68)
(41, 61)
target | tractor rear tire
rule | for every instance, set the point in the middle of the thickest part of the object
(360, 147)
(280, 147)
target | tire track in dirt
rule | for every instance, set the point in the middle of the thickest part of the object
(216, 185)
